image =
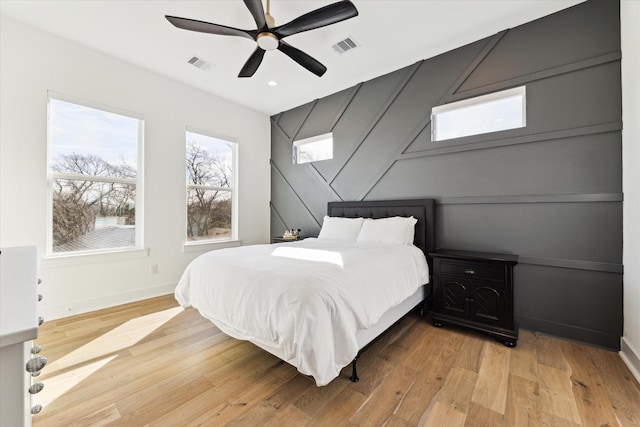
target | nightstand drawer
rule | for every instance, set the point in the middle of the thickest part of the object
(472, 270)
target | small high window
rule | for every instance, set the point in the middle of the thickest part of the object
(483, 114)
(313, 149)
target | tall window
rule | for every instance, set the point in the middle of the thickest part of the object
(483, 114)
(210, 187)
(93, 169)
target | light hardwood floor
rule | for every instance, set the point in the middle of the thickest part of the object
(152, 363)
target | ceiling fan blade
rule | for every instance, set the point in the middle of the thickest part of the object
(324, 16)
(302, 58)
(252, 63)
(257, 11)
(208, 27)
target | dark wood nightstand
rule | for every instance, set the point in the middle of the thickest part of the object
(280, 239)
(475, 289)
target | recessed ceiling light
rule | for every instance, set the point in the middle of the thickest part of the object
(272, 83)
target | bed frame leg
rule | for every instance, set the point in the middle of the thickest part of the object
(354, 373)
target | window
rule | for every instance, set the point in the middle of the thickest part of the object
(483, 114)
(210, 188)
(313, 149)
(93, 169)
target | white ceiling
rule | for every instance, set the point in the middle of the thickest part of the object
(392, 34)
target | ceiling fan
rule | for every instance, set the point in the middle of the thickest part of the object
(269, 37)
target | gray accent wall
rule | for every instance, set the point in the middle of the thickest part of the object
(550, 192)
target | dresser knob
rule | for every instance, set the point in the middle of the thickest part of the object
(36, 409)
(36, 349)
(39, 281)
(40, 320)
(36, 387)
(36, 364)
(39, 297)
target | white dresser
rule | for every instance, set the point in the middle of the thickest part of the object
(18, 327)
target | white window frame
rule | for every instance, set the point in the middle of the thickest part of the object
(312, 140)
(479, 101)
(233, 190)
(138, 181)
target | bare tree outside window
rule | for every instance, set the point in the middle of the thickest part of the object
(81, 205)
(93, 178)
(209, 168)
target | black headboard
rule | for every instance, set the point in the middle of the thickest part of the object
(421, 209)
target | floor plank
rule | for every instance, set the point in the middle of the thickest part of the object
(588, 390)
(491, 386)
(152, 363)
(523, 406)
(619, 384)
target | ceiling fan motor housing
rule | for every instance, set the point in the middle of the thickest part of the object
(268, 41)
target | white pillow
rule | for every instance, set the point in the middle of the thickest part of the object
(395, 230)
(340, 228)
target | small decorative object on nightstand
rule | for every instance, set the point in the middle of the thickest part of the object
(475, 289)
(288, 236)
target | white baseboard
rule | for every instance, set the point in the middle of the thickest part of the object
(79, 307)
(630, 357)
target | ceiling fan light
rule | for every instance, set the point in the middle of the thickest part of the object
(267, 41)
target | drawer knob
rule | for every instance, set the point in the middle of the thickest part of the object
(36, 388)
(40, 320)
(36, 364)
(470, 271)
(39, 297)
(36, 349)
(36, 409)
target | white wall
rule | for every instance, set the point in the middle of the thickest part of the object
(630, 343)
(32, 62)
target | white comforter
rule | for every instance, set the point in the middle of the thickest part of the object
(306, 298)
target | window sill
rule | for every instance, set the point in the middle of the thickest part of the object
(73, 259)
(210, 246)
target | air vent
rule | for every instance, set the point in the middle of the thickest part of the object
(344, 46)
(198, 61)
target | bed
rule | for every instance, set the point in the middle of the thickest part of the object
(318, 303)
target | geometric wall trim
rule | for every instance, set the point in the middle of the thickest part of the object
(550, 192)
